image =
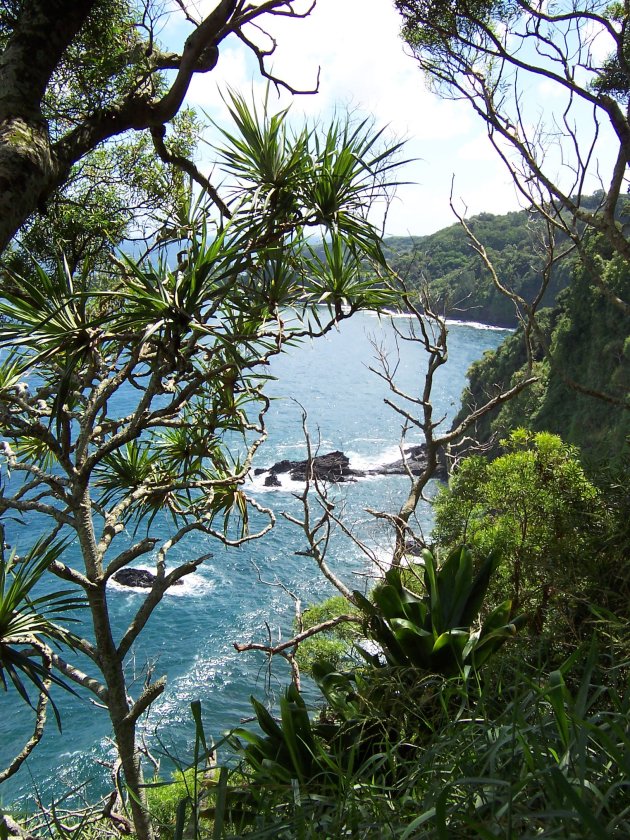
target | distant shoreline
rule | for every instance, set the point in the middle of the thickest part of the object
(477, 325)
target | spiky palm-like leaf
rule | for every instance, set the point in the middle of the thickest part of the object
(264, 153)
(435, 631)
(125, 470)
(308, 179)
(28, 619)
(47, 311)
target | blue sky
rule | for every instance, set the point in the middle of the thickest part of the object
(366, 70)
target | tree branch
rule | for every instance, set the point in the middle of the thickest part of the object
(77, 676)
(272, 650)
(157, 135)
(38, 731)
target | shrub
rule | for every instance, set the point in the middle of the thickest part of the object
(536, 507)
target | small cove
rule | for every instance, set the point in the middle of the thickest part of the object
(234, 595)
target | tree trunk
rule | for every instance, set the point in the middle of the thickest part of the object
(31, 167)
(27, 173)
(43, 31)
(125, 735)
(111, 666)
(118, 707)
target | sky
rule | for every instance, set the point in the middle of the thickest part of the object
(366, 69)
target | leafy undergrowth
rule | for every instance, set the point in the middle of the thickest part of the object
(522, 754)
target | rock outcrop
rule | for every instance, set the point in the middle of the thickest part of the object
(139, 578)
(335, 467)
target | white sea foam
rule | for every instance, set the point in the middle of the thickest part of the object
(193, 584)
(389, 313)
(388, 455)
(382, 558)
(451, 322)
(257, 484)
(477, 325)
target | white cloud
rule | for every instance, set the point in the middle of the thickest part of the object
(476, 149)
(232, 71)
(364, 69)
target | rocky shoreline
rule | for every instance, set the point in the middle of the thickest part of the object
(335, 467)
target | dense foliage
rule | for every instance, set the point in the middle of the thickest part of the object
(582, 357)
(535, 507)
(415, 736)
(457, 279)
(454, 274)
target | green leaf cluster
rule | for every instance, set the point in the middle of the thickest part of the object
(120, 189)
(535, 507)
(436, 631)
(537, 749)
(190, 332)
(365, 730)
(287, 749)
(29, 619)
(333, 646)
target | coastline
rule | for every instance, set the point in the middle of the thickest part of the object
(475, 325)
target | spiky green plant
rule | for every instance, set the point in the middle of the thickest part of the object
(28, 620)
(437, 631)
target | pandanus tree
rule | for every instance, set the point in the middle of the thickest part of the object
(145, 404)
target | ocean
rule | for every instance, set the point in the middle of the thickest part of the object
(247, 594)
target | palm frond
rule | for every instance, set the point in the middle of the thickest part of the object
(28, 620)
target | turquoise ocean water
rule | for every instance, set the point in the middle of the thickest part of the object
(234, 597)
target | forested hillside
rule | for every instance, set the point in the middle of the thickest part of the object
(582, 354)
(455, 274)
(580, 345)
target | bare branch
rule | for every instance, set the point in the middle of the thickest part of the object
(129, 555)
(38, 729)
(317, 533)
(148, 696)
(261, 55)
(272, 650)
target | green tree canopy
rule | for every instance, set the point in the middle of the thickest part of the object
(535, 506)
(77, 74)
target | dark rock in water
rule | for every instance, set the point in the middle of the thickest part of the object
(140, 578)
(280, 467)
(285, 466)
(335, 467)
(415, 460)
